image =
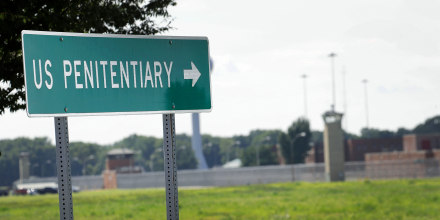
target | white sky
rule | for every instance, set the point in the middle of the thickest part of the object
(261, 48)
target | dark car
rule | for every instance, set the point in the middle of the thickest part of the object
(47, 190)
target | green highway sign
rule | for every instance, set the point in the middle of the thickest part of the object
(93, 74)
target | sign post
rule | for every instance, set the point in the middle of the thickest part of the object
(63, 168)
(72, 74)
(170, 166)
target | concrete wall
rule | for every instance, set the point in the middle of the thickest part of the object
(84, 182)
(226, 177)
(420, 168)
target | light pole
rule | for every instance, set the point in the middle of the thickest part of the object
(154, 157)
(236, 144)
(44, 167)
(302, 134)
(365, 81)
(344, 96)
(34, 167)
(212, 155)
(332, 56)
(257, 155)
(227, 152)
(90, 157)
(304, 76)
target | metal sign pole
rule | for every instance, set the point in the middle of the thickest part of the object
(170, 167)
(63, 168)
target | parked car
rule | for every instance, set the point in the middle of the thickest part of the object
(4, 191)
(47, 190)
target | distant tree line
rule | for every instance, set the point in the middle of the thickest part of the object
(431, 125)
(259, 147)
(89, 158)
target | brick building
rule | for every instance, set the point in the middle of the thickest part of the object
(316, 153)
(415, 147)
(410, 146)
(422, 151)
(355, 149)
(416, 142)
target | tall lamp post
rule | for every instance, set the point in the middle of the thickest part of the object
(332, 58)
(234, 145)
(209, 144)
(344, 96)
(365, 81)
(302, 134)
(304, 76)
(257, 155)
(90, 157)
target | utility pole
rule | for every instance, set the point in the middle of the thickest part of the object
(332, 56)
(304, 76)
(257, 154)
(344, 96)
(365, 81)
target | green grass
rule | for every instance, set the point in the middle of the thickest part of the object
(384, 199)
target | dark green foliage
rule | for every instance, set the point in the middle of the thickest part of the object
(348, 135)
(41, 157)
(144, 147)
(211, 150)
(83, 16)
(268, 155)
(89, 158)
(377, 133)
(265, 142)
(431, 125)
(86, 158)
(184, 153)
(317, 136)
(293, 145)
(403, 131)
(149, 152)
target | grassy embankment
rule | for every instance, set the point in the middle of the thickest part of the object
(384, 199)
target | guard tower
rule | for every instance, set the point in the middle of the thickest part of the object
(333, 147)
(24, 166)
(121, 160)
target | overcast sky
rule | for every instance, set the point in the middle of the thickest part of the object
(261, 48)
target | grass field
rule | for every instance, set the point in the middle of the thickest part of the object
(383, 199)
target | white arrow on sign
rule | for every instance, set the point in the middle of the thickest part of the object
(193, 74)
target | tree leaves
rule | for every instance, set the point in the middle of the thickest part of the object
(83, 16)
(295, 146)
